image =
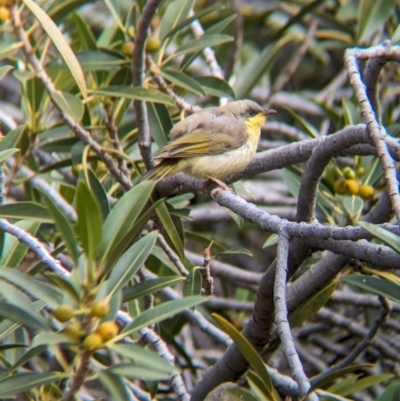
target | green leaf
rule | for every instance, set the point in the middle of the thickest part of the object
(162, 312)
(216, 87)
(69, 104)
(325, 380)
(82, 28)
(312, 305)
(123, 216)
(199, 44)
(193, 283)
(135, 372)
(130, 262)
(174, 14)
(238, 394)
(372, 15)
(144, 357)
(170, 229)
(25, 317)
(127, 92)
(5, 154)
(59, 41)
(61, 9)
(271, 240)
(66, 285)
(211, 9)
(12, 138)
(375, 285)
(353, 206)
(249, 352)
(4, 70)
(221, 25)
(63, 226)
(183, 80)
(49, 338)
(360, 385)
(41, 290)
(258, 66)
(326, 395)
(90, 221)
(24, 381)
(25, 210)
(99, 192)
(258, 388)
(385, 236)
(147, 287)
(391, 393)
(307, 127)
(114, 385)
(27, 357)
(160, 123)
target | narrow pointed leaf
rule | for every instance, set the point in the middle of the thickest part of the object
(41, 290)
(182, 80)
(174, 14)
(24, 381)
(90, 220)
(375, 285)
(130, 262)
(69, 104)
(216, 87)
(144, 357)
(248, 352)
(127, 92)
(25, 210)
(160, 123)
(135, 372)
(199, 44)
(312, 305)
(114, 385)
(5, 154)
(64, 227)
(169, 226)
(385, 236)
(23, 317)
(162, 312)
(27, 357)
(59, 41)
(12, 138)
(124, 215)
(147, 287)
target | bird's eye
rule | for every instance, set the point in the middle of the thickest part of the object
(252, 113)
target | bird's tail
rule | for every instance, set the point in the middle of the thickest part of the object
(164, 169)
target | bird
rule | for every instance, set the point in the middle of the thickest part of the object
(212, 144)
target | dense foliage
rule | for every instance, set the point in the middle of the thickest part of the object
(285, 288)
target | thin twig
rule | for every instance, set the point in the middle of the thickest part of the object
(281, 314)
(361, 346)
(376, 131)
(138, 72)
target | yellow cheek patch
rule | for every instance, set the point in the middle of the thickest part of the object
(255, 123)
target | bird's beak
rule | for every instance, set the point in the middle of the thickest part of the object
(269, 111)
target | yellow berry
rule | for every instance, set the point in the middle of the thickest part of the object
(100, 308)
(349, 173)
(131, 31)
(351, 187)
(4, 14)
(127, 48)
(64, 313)
(366, 192)
(152, 44)
(107, 330)
(93, 341)
(72, 331)
(360, 171)
(338, 187)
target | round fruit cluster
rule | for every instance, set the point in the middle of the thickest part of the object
(349, 184)
(98, 335)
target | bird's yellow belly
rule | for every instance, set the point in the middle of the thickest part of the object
(219, 166)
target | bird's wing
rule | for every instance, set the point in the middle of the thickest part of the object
(208, 136)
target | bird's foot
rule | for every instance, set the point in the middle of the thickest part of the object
(222, 186)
